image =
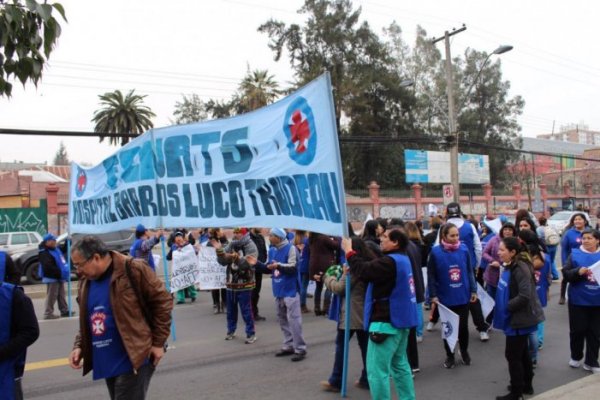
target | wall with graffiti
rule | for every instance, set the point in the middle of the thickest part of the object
(25, 219)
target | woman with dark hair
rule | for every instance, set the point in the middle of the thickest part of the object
(219, 296)
(390, 312)
(584, 302)
(323, 251)
(451, 282)
(518, 312)
(370, 235)
(525, 223)
(414, 235)
(543, 277)
(337, 284)
(571, 240)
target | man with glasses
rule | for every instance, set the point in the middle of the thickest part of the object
(122, 332)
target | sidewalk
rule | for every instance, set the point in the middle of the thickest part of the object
(587, 388)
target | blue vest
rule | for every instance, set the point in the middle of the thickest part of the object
(60, 262)
(501, 314)
(7, 367)
(541, 281)
(284, 285)
(452, 273)
(467, 237)
(571, 240)
(136, 248)
(403, 299)
(2, 266)
(585, 292)
(483, 263)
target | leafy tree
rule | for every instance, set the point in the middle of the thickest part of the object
(191, 109)
(28, 34)
(61, 157)
(122, 115)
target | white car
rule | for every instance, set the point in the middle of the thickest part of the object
(14, 241)
(561, 219)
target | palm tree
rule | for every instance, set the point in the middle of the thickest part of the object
(122, 115)
(258, 89)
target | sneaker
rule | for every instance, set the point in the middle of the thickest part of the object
(415, 370)
(298, 357)
(561, 301)
(526, 390)
(283, 353)
(305, 310)
(361, 385)
(250, 339)
(575, 363)
(193, 299)
(449, 363)
(466, 358)
(540, 345)
(230, 336)
(328, 387)
(66, 314)
(484, 336)
(215, 309)
(430, 326)
(51, 316)
(259, 318)
(181, 302)
(419, 339)
(593, 370)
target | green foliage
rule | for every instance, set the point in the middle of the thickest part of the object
(191, 109)
(61, 157)
(122, 115)
(28, 34)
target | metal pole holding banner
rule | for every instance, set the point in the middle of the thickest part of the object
(167, 283)
(344, 390)
(69, 280)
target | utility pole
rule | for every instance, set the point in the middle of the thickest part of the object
(453, 134)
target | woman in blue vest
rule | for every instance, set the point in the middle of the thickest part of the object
(54, 271)
(390, 313)
(518, 312)
(452, 283)
(143, 244)
(541, 267)
(571, 240)
(584, 302)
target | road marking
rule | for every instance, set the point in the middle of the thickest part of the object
(57, 362)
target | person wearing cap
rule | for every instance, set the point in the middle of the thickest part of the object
(54, 272)
(239, 281)
(282, 265)
(179, 242)
(143, 244)
(470, 238)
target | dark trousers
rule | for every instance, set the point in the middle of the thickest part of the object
(463, 329)
(18, 389)
(584, 326)
(243, 298)
(338, 363)
(412, 350)
(130, 386)
(256, 292)
(520, 367)
(326, 298)
(218, 296)
(477, 315)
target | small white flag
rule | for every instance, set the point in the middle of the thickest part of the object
(487, 302)
(450, 321)
(595, 271)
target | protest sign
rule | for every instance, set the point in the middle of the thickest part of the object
(186, 271)
(212, 274)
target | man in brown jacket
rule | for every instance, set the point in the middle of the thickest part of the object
(125, 317)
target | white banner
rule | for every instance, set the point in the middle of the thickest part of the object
(450, 321)
(212, 274)
(487, 302)
(595, 271)
(186, 271)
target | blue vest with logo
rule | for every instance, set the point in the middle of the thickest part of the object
(541, 281)
(571, 240)
(137, 247)
(452, 271)
(585, 292)
(467, 237)
(2, 266)
(483, 263)
(284, 285)
(501, 314)
(60, 262)
(7, 367)
(403, 299)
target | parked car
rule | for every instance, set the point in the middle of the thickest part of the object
(27, 259)
(11, 242)
(561, 219)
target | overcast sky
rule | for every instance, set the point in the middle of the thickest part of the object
(166, 48)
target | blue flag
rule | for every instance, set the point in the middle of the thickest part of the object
(278, 166)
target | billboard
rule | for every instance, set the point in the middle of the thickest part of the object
(434, 167)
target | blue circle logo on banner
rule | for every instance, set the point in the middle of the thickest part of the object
(81, 182)
(300, 131)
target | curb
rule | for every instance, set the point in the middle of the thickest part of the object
(582, 389)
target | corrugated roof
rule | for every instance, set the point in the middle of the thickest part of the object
(555, 146)
(42, 176)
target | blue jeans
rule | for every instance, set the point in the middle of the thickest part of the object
(304, 280)
(338, 364)
(419, 319)
(244, 299)
(491, 290)
(552, 254)
(540, 334)
(533, 345)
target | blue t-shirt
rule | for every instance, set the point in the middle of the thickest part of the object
(109, 358)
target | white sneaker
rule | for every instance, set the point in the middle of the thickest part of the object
(430, 326)
(594, 370)
(575, 363)
(419, 339)
(483, 336)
